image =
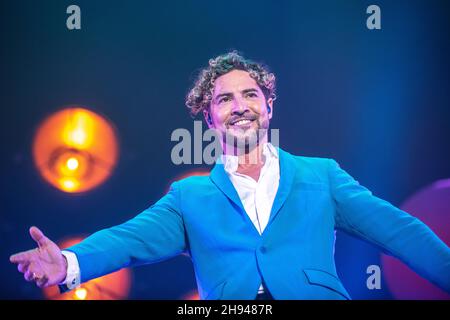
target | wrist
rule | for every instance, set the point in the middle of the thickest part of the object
(64, 267)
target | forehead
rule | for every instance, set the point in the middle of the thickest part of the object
(234, 81)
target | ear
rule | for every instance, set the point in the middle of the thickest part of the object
(270, 104)
(207, 116)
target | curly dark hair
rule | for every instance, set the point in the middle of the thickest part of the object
(199, 97)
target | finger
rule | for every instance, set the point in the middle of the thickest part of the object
(23, 267)
(22, 257)
(32, 274)
(41, 282)
(28, 275)
(38, 236)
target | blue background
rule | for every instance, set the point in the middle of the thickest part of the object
(377, 101)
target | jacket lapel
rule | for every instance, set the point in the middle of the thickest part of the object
(287, 174)
(221, 180)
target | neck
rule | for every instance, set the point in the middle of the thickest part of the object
(250, 159)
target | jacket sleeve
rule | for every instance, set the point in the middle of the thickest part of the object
(155, 234)
(366, 216)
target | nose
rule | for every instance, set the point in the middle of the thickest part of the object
(239, 106)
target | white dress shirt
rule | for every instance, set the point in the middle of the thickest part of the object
(73, 276)
(257, 197)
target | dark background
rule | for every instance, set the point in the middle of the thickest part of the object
(377, 101)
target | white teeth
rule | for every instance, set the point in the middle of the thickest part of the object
(241, 122)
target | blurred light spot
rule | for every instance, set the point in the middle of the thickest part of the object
(78, 137)
(72, 163)
(80, 293)
(75, 149)
(431, 205)
(68, 184)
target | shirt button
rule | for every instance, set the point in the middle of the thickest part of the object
(263, 249)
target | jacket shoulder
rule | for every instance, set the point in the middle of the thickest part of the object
(313, 161)
(197, 180)
(312, 169)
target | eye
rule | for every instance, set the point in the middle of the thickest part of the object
(251, 95)
(224, 99)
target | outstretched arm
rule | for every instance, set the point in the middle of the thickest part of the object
(154, 235)
(361, 213)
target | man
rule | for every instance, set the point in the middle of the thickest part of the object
(254, 229)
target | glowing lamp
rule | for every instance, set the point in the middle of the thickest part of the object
(114, 286)
(75, 149)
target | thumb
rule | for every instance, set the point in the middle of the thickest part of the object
(38, 236)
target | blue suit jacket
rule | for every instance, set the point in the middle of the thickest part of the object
(204, 217)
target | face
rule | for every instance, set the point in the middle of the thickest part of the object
(239, 109)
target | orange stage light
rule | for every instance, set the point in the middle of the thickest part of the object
(75, 149)
(114, 286)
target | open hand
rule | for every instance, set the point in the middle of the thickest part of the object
(45, 264)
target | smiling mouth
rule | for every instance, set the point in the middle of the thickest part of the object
(241, 122)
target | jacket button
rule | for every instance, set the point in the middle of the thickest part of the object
(263, 249)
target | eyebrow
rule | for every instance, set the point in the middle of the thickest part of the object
(249, 90)
(227, 94)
